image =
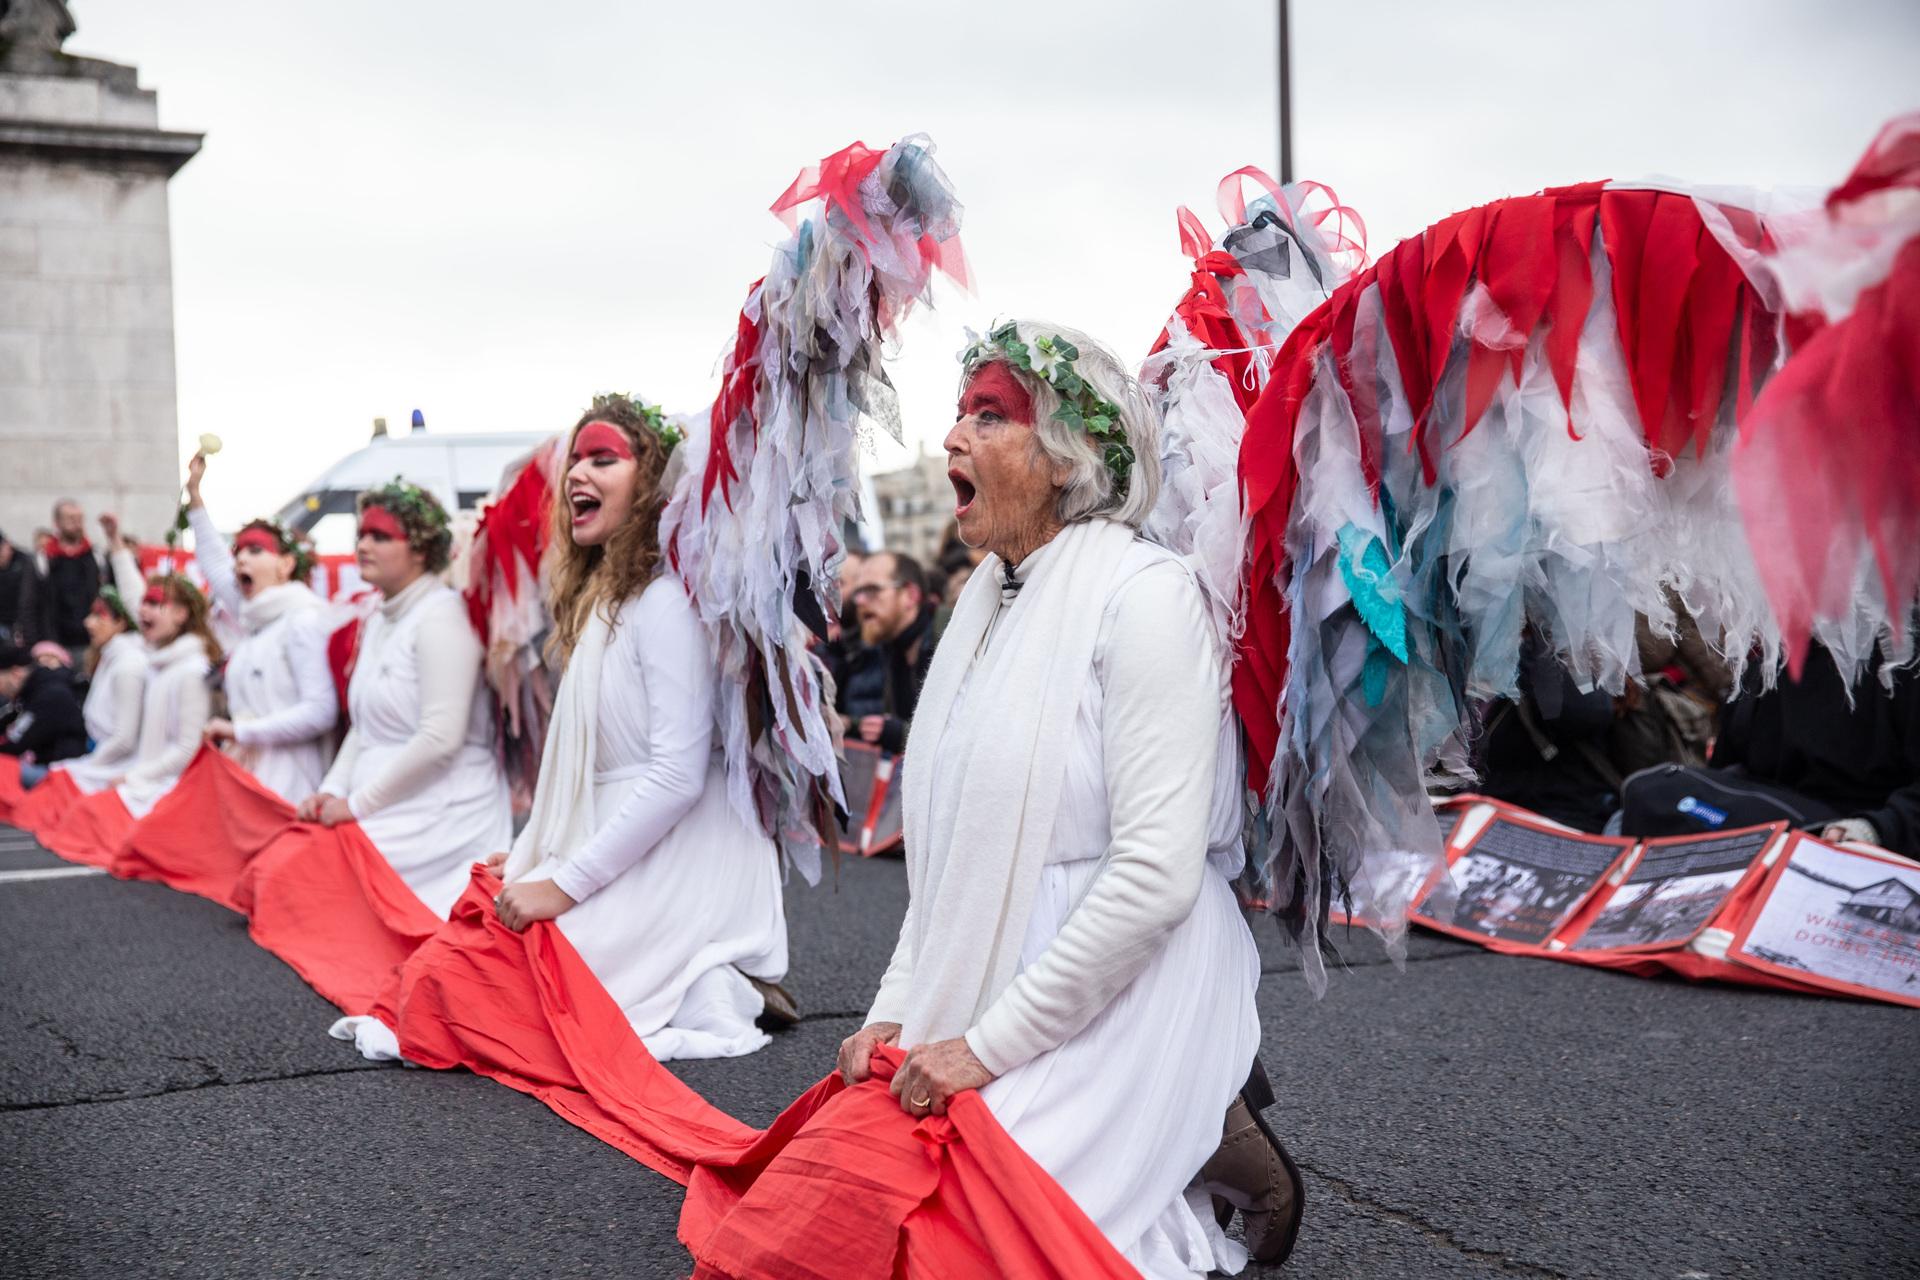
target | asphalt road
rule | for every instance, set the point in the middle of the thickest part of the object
(170, 1105)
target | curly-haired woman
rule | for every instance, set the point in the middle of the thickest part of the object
(280, 698)
(418, 770)
(632, 848)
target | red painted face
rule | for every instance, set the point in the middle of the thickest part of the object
(600, 438)
(156, 595)
(258, 539)
(103, 611)
(994, 389)
(381, 523)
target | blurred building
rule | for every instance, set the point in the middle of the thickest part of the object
(916, 505)
(87, 404)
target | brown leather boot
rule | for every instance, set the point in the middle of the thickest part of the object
(1253, 1173)
(779, 1009)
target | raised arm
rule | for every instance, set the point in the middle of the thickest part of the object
(1164, 698)
(661, 634)
(216, 561)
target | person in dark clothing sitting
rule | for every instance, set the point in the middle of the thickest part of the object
(46, 724)
(879, 684)
(1800, 751)
(1547, 751)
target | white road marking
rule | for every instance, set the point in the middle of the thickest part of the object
(50, 873)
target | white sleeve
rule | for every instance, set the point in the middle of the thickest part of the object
(216, 562)
(314, 708)
(1160, 728)
(191, 712)
(126, 578)
(447, 655)
(890, 1003)
(676, 667)
(339, 777)
(127, 691)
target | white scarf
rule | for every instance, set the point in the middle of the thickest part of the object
(269, 604)
(972, 881)
(157, 709)
(562, 816)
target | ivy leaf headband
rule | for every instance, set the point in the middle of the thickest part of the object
(656, 419)
(1051, 358)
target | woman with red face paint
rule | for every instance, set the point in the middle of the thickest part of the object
(1072, 947)
(418, 770)
(181, 653)
(631, 848)
(117, 679)
(281, 706)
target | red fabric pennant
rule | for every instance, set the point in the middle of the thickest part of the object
(200, 836)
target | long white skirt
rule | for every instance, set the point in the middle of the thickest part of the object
(434, 837)
(1124, 1114)
(671, 936)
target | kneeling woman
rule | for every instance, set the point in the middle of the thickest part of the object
(280, 698)
(631, 847)
(418, 770)
(117, 667)
(175, 706)
(1072, 947)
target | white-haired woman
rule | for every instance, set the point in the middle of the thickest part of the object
(1072, 947)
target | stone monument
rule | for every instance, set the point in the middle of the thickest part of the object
(86, 283)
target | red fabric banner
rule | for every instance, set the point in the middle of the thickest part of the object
(11, 792)
(91, 830)
(525, 1010)
(44, 806)
(845, 1183)
(324, 900)
(201, 835)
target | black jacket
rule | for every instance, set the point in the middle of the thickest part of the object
(885, 679)
(1546, 752)
(67, 591)
(47, 720)
(19, 600)
(1864, 759)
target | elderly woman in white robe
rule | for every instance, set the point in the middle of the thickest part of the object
(1072, 947)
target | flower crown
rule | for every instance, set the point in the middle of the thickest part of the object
(653, 416)
(411, 504)
(111, 597)
(1050, 358)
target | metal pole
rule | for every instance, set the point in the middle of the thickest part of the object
(1286, 99)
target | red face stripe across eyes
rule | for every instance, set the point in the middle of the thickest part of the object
(598, 438)
(993, 388)
(156, 594)
(101, 609)
(379, 520)
(258, 540)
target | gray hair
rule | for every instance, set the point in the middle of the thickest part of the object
(1090, 489)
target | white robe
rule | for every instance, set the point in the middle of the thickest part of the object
(173, 712)
(280, 693)
(1124, 1109)
(112, 713)
(676, 896)
(418, 767)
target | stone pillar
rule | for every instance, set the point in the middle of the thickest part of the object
(86, 284)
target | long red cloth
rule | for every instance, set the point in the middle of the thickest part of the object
(44, 806)
(324, 900)
(845, 1183)
(201, 835)
(91, 830)
(11, 792)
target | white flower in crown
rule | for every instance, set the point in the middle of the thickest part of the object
(1043, 358)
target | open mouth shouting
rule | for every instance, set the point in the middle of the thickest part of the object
(585, 507)
(244, 578)
(963, 493)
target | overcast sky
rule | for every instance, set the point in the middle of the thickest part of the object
(491, 210)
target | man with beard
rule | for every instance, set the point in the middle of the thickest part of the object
(69, 578)
(880, 684)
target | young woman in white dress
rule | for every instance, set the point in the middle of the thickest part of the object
(281, 706)
(418, 769)
(631, 847)
(117, 679)
(177, 699)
